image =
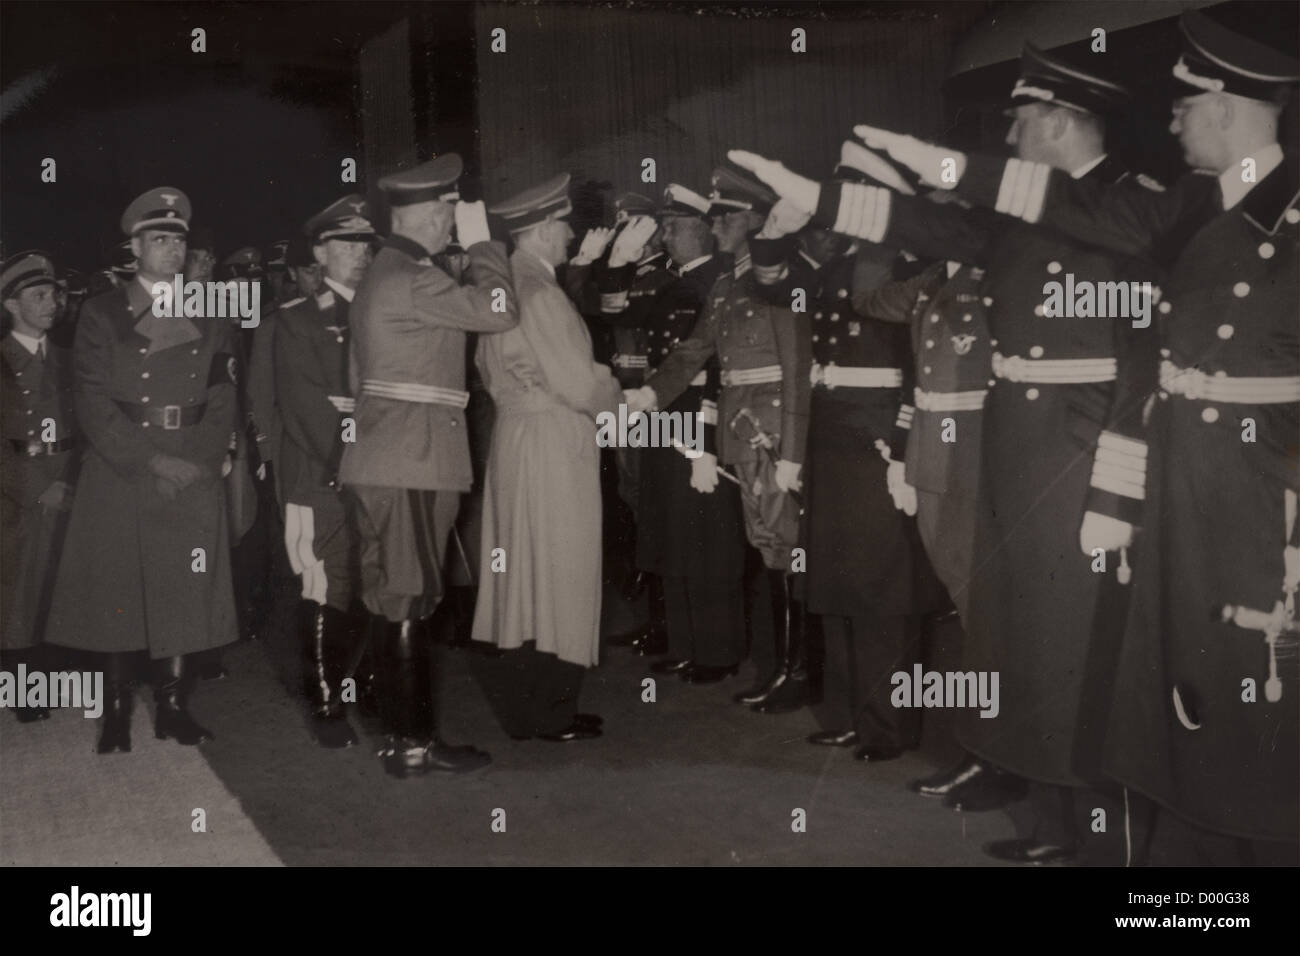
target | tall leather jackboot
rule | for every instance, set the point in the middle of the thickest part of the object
(115, 725)
(171, 690)
(407, 692)
(789, 682)
(325, 643)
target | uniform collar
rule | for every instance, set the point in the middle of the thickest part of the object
(26, 341)
(694, 264)
(741, 266)
(1088, 167)
(408, 246)
(1233, 189)
(1276, 193)
(340, 289)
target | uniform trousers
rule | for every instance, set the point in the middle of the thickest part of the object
(403, 533)
(771, 515)
(946, 523)
(862, 654)
(706, 619)
(321, 538)
(30, 538)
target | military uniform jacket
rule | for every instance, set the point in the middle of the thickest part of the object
(626, 298)
(409, 321)
(1216, 502)
(33, 393)
(313, 394)
(130, 578)
(746, 333)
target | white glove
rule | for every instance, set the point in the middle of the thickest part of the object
(784, 219)
(904, 495)
(1291, 566)
(631, 241)
(641, 399)
(704, 473)
(800, 190)
(1105, 532)
(875, 167)
(593, 246)
(471, 223)
(787, 476)
(922, 158)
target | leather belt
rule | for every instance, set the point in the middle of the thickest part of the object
(752, 376)
(1197, 386)
(167, 417)
(34, 449)
(1053, 371)
(630, 361)
(411, 392)
(970, 401)
(847, 376)
(343, 404)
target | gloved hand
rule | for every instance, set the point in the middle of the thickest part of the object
(787, 476)
(904, 495)
(1105, 532)
(631, 241)
(57, 497)
(1291, 569)
(471, 223)
(704, 473)
(784, 219)
(593, 246)
(800, 190)
(178, 471)
(641, 399)
(922, 158)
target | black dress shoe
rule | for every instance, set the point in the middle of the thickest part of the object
(670, 666)
(405, 757)
(1029, 851)
(332, 731)
(705, 674)
(834, 738)
(30, 715)
(991, 790)
(177, 723)
(944, 783)
(589, 720)
(870, 754)
(575, 731)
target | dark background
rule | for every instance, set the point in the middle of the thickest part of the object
(256, 128)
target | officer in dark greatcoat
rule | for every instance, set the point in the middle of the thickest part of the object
(315, 401)
(37, 459)
(146, 561)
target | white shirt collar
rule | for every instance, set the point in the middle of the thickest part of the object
(341, 289)
(1086, 168)
(1230, 184)
(695, 263)
(26, 341)
(953, 268)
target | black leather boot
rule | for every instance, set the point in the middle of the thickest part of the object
(115, 725)
(365, 650)
(654, 638)
(33, 659)
(779, 587)
(326, 645)
(171, 690)
(790, 690)
(414, 748)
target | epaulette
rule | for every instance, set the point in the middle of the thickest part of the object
(1151, 184)
(293, 302)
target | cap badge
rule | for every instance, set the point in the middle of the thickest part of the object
(169, 198)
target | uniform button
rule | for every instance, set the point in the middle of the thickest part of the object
(1210, 415)
(453, 423)
(817, 315)
(776, 402)
(835, 316)
(1266, 250)
(926, 370)
(988, 300)
(1053, 267)
(1036, 351)
(816, 338)
(29, 411)
(27, 391)
(144, 424)
(144, 374)
(31, 431)
(749, 312)
(192, 351)
(1164, 307)
(20, 374)
(1164, 353)
(144, 351)
(1038, 309)
(831, 340)
(934, 317)
(966, 317)
(1225, 331)
(929, 343)
(144, 398)
(1031, 394)
(1241, 290)
(1293, 215)
(338, 339)
(194, 375)
(992, 382)
(993, 342)
(189, 401)
(841, 293)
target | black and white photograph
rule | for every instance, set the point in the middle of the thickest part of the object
(651, 434)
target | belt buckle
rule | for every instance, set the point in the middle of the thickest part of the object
(171, 417)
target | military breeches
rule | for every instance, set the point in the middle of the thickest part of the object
(322, 543)
(771, 515)
(403, 535)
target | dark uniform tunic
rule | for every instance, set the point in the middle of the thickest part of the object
(1216, 513)
(763, 351)
(127, 580)
(313, 396)
(1034, 594)
(694, 541)
(33, 393)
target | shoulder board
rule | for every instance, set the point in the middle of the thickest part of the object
(292, 302)
(1151, 184)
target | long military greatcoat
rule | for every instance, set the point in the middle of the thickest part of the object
(542, 504)
(130, 578)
